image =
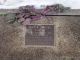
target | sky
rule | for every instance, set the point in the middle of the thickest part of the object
(11, 4)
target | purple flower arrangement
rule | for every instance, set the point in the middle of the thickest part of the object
(27, 14)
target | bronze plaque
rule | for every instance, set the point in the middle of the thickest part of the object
(39, 35)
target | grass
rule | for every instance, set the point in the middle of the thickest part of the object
(3, 14)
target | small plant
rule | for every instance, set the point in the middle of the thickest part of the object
(3, 14)
(11, 18)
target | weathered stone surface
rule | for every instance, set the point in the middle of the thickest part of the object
(67, 44)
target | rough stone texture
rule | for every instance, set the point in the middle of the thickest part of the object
(67, 44)
(67, 35)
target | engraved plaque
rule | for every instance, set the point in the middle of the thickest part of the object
(39, 35)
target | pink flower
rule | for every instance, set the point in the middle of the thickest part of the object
(21, 20)
(26, 22)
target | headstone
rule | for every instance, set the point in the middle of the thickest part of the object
(39, 35)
